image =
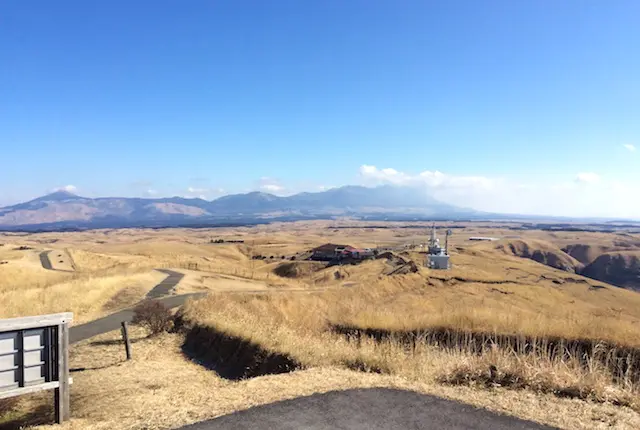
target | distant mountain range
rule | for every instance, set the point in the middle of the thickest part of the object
(64, 210)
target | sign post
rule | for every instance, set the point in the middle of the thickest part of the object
(125, 338)
(34, 356)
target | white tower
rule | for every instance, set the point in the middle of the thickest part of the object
(437, 258)
(434, 242)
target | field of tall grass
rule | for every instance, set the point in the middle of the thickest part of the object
(496, 331)
(87, 297)
(404, 326)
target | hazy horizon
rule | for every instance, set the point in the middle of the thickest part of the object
(418, 189)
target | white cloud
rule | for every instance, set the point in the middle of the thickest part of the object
(203, 193)
(432, 179)
(193, 190)
(588, 177)
(270, 185)
(585, 195)
(67, 188)
(325, 187)
(274, 188)
(630, 147)
(151, 192)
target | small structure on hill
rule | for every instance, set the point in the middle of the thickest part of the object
(437, 256)
(362, 253)
(330, 251)
(483, 238)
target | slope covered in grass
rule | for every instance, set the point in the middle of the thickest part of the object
(617, 268)
(540, 251)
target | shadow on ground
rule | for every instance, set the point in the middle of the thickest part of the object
(232, 357)
(116, 341)
(42, 414)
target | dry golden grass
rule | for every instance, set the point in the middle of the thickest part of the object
(160, 389)
(297, 327)
(23, 268)
(485, 291)
(87, 297)
(482, 294)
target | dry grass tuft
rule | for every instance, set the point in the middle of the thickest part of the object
(563, 378)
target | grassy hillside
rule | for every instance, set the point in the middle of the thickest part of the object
(487, 293)
(542, 252)
(552, 336)
(620, 268)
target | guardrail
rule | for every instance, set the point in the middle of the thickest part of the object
(34, 356)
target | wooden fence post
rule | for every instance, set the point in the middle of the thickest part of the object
(125, 338)
(61, 394)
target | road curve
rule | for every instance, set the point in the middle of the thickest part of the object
(112, 322)
(44, 260)
(165, 287)
(366, 409)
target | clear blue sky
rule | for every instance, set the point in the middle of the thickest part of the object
(117, 97)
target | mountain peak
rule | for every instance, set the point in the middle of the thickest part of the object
(262, 195)
(57, 196)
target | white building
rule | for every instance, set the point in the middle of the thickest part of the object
(437, 257)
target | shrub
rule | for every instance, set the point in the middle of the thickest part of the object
(293, 258)
(153, 315)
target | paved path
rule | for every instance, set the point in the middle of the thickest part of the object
(112, 322)
(44, 260)
(366, 409)
(165, 287)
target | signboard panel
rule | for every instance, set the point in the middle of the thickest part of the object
(34, 375)
(33, 339)
(8, 360)
(8, 379)
(8, 342)
(34, 357)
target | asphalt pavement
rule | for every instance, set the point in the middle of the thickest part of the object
(165, 287)
(366, 409)
(113, 321)
(44, 260)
